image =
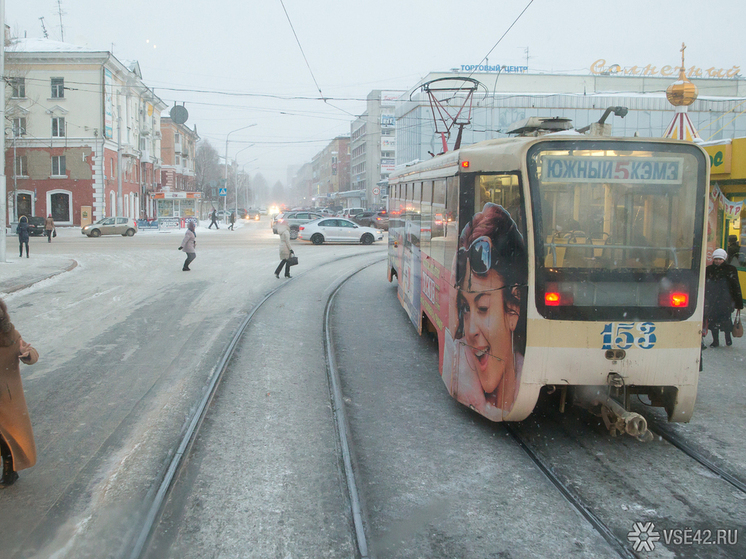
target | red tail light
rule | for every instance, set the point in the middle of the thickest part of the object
(677, 298)
(553, 297)
(301, 228)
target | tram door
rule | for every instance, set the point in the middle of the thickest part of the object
(411, 284)
(490, 296)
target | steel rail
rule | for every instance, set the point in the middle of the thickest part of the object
(618, 545)
(341, 417)
(677, 441)
(198, 416)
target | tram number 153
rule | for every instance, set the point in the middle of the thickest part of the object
(623, 335)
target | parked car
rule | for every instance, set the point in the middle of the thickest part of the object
(125, 226)
(379, 220)
(36, 226)
(295, 220)
(338, 230)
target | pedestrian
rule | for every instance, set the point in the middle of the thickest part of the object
(188, 244)
(17, 447)
(49, 228)
(722, 295)
(232, 220)
(734, 249)
(214, 219)
(23, 235)
(285, 250)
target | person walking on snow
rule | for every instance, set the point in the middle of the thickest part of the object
(23, 235)
(49, 228)
(232, 220)
(188, 244)
(722, 295)
(214, 219)
(285, 249)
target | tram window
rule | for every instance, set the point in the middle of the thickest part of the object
(613, 226)
(425, 216)
(451, 219)
(503, 190)
(438, 219)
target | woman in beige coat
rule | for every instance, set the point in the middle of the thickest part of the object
(285, 250)
(17, 446)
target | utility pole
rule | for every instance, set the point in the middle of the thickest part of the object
(3, 193)
(120, 200)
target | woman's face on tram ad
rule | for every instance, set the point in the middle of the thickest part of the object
(490, 270)
(489, 320)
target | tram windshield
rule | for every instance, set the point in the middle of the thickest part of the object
(609, 213)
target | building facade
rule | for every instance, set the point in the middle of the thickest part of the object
(373, 145)
(502, 99)
(331, 171)
(81, 141)
(178, 148)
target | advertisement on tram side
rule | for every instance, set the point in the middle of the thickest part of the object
(485, 338)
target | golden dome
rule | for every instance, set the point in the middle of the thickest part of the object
(682, 92)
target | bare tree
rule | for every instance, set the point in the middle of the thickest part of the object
(278, 192)
(207, 167)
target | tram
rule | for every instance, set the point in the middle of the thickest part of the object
(562, 262)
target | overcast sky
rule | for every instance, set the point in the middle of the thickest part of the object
(352, 47)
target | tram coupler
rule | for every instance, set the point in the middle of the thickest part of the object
(617, 419)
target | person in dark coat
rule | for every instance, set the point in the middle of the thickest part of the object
(232, 220)
(722, 295)
(734, 250)
(23, 235)
(188, 245)
(214, 219)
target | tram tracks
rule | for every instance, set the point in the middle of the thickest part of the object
(155, 508)
(569, 481)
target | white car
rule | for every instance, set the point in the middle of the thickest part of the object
(338, 230)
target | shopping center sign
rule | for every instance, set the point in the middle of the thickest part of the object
(600, 68)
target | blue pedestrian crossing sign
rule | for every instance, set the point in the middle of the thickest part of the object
(223, 191)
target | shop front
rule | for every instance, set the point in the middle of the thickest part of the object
(726, 226)
(173, 208)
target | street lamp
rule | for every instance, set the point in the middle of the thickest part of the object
(226, 160)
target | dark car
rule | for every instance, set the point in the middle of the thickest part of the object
(379, 220)
(36, 226)
(253, 214)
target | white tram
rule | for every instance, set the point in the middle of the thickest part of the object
(561, 262)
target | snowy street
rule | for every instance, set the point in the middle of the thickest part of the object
(128, 343)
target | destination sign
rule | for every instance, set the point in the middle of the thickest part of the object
(649, 170)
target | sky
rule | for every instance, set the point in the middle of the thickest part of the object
(237, 64)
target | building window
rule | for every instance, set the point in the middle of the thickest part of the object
(19, 127)
(58, 166)
(21, 169)
(58, 88)
(18, 86)
(177, 160)
(177, 138)
(58, 127)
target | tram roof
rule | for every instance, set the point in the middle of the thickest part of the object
(483, 156)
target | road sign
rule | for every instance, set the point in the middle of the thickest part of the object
(223, 192)
(376, 191)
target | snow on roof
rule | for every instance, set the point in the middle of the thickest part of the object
(45, 45)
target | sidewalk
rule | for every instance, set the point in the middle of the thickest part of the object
(19, 273)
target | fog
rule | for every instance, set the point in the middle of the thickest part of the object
(235, 64)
